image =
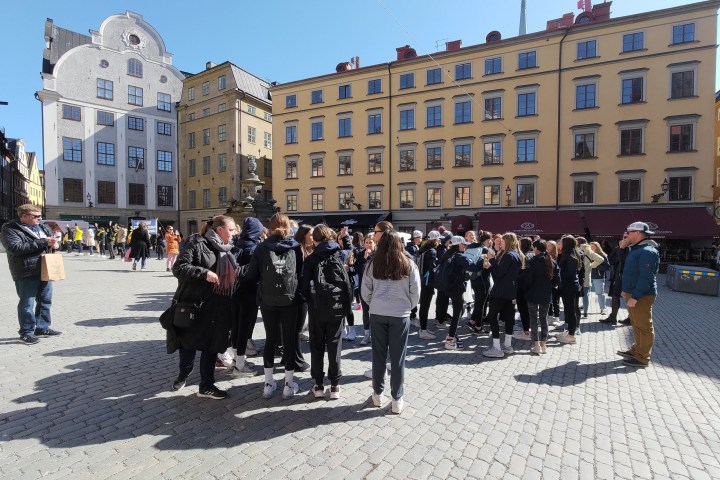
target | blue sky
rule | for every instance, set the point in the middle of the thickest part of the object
(279, 40)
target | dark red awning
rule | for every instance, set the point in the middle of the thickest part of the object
(671, 222)
(549, 224)
(460, 224)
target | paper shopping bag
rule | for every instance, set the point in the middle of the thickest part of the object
(52, 267)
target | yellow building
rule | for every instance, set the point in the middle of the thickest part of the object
(35, 188)
(225, 130)
(582, 128)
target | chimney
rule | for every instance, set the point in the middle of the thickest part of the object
(566, 21)
(601, 11)
(405, 53)
(452, 46)
(209, 65)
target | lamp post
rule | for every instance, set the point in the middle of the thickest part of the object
(508, 192)
(89, 200)
(351, 201)
(664, 187)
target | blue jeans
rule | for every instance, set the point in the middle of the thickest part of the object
(599, 289)
(34, 305)
(586, 300)
(389, 334)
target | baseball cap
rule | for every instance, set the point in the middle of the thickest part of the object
(433, 235)
(441, 229)
(458, 240)
(639, 227)
(417, 233)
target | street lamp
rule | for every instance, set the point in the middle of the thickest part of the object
(664, 186)
(89, 199)
(508, 192)
(351, 201)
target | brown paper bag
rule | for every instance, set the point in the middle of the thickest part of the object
(52, 267)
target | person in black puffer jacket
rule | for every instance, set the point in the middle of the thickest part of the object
(540, 276)
(429, 258)
(206, 272)
(570, 265)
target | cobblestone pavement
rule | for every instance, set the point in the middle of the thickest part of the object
(96, 402)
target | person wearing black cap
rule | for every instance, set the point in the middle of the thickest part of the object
(639, 289)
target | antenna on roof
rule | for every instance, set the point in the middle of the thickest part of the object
(442, 41)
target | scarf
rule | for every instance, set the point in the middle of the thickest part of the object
(226, 264)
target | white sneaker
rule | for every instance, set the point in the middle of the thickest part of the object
(318, 391)
(366, 340)
(290, 390)
(521, 335)
(415, 322)
(507, 349)
(536, 349)
(426, 335)
(351, 334)
(452, 344)
(247, 370)
(269, 389)
(304, 337)
(368, 374)
(493, 352)
(397, 406)
(226, 358)
(378, 400)
(335, 392)
(566, 338)
(250, 349)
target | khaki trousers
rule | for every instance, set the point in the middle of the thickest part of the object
(642, 325)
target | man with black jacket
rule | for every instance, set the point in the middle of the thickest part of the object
(25, 240)
(617, 262)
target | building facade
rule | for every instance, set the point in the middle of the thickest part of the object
(109, 123)
(225, 136)
(27, 185)
(580, 128)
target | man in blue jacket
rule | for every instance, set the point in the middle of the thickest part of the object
(26, 240)
(639, 289)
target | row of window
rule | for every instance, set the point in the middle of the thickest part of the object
(682, 85)
(632, 142)
(71, 112)
(105, 90)
(222, 107)
(222, 136)
(105, 155)
(205, 87)
(222, 165)
(631, 42)
(222, 197)
(73, 191)
(629, 191)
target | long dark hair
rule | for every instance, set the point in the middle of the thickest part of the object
(569, 248)
(541, 246)
(389, 261)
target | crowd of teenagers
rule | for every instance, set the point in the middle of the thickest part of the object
(115, 241)
(301, 276)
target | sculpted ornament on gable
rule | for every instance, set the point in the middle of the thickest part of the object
(132, 39)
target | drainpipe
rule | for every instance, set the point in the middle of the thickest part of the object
(390, 145)
(42, 123)
(559, 111)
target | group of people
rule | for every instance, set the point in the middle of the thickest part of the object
(297, 273)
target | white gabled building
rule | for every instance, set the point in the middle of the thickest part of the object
(109, 122)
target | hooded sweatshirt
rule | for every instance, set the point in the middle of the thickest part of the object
(249, 238)
(321, 252)
(280, 246)
(639, 277)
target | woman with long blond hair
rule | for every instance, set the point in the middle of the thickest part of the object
(505, 269)
(597, 276)
(391, 288)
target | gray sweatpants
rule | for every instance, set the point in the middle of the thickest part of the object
(389, 333)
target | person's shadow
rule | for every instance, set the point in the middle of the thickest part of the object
(574, 373)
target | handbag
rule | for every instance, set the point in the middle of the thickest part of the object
(186, 314)
(52, 267)
(127, 255)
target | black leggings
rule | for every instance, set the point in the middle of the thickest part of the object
(571, 305)
(325, 336)
(554, 309)
(506, 310)
(481, 303)
(457, 305)
(426, 295)
(280, 321)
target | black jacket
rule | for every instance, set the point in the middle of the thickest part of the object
(212, 332)
(617, 262)
(277, 245)
(140, 243)
(569, 274)
(243, 249)
(24, 249)
(429, 262)
(505, 273)
(535, 282)
(309, 272)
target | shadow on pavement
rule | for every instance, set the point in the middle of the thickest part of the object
(575, 373)
(115, 322)
(126, 394)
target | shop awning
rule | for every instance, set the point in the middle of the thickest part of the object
(339, 220)
(549, 224)
(694, 222)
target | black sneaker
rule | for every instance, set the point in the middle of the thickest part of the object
(609, 321)
(29, 339)
(302, 367)
(39, 332)
(179, 382)
(634, 362)
(213, 393)
(625, 322)
(625, 354)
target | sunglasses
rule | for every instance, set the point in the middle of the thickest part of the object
(33, 216)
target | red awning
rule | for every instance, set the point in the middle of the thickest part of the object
(460, 224)
(549, 224)
(678, 222)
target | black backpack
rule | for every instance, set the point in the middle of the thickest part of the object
(443, 276)
(604, 267)
(332, 285)
(279, 282)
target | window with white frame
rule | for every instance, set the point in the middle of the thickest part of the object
(633, 42)
(526, 144)
(291, 133)
(222, 82)
(317, 200)
(407, 157)
(463, 111)
(345, 163)
(433, 155)
(316, 96)
(463, 154)
(316, 129)
(407, 118)
(291, 167)
(683, 79)
(221, 107)
(584, 141)
(251, 109)
(433, 196)
(252, 134)
(683, 33)
(205, 88)
(632, 86)
(493, 107)
(206, 136)
(375, 199)
(222, 133)
(291, 202)
(317, 166)
(491, 194)
(374, 162)
(463, 71)
(345, 124)
(632, 137)
(586, 49)
(492, 150)
(191, 93)
(267, 140)
(433, 111)
(345, 199)
(374, 122)
(407, 197)
(586, 91)
(462, 195)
